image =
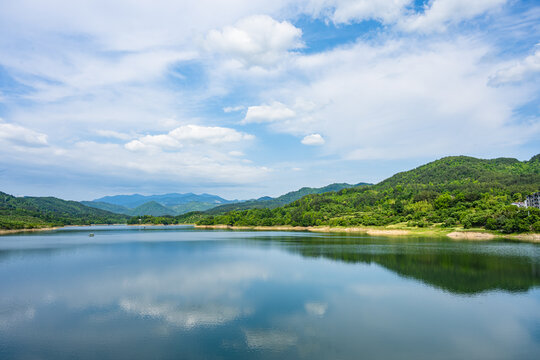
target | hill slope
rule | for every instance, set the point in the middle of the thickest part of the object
(34, 212)
(171, 204)
(451, 192)
(505, 171)
(152, 208)
(132, 201)
(271, 203)
(117, 209)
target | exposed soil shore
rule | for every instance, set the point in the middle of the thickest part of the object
(14, 231)
(469, 235)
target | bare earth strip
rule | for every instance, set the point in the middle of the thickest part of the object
(374, 232)
(455, 235)
(14, 231)
(469, 235)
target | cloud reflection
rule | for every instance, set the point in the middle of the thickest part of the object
(188, 318)
(317, 309)
(274, 340)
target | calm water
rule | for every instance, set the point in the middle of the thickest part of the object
(181, 293)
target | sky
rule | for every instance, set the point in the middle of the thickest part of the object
(245, 98)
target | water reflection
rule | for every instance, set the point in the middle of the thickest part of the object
(456, 267)
(203, 294)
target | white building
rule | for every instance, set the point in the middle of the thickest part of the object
(519, 204)
(533, 200)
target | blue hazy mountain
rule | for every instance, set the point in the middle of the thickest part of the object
(157, 205)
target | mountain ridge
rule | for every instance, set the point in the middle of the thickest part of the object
(36, 212)
(458, 192)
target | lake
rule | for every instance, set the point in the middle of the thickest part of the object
(176, 292)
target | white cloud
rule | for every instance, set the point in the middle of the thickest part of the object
(403, 99)
(524, 69)
(268, 113)
(236, 153)
(439, 13)
(88, 65)
(21, 136)
(346, 11)
(189, 135)
(313, 139)
(229, 109)
(114, 134)
(255, 41)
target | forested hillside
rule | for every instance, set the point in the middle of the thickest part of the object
(450, 192)
(271, 203)
(37, 212)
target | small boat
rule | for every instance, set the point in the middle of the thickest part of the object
(91, 234)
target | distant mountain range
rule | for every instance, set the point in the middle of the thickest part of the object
(157, 205)
(177, 204)
(271, 203)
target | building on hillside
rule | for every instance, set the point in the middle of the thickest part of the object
(533, 200)
(519, 204)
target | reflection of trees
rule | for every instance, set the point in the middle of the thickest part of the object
(456, 270)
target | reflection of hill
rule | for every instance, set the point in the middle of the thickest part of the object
(454, 270)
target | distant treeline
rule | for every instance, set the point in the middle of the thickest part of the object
(187, 218)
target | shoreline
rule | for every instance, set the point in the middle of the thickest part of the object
(453, 234)
(467, 235)
(15, 231)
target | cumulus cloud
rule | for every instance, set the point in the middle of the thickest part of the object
(395, 99)
(86, 66)
(22, 136)
(255, 41)
(526, 68)
(439, 13)
(275, 111)
(188, 135)
(313, 139)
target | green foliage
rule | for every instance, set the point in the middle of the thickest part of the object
(271, 203)
(187, 218)
(453, 191)
(38, 212)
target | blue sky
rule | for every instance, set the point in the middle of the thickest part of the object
(244, 99)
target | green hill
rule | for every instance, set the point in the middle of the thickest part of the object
(36, 212)
(152, 208)
(271, 203)
(504, 171)
(117, 209)
(451, 192)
